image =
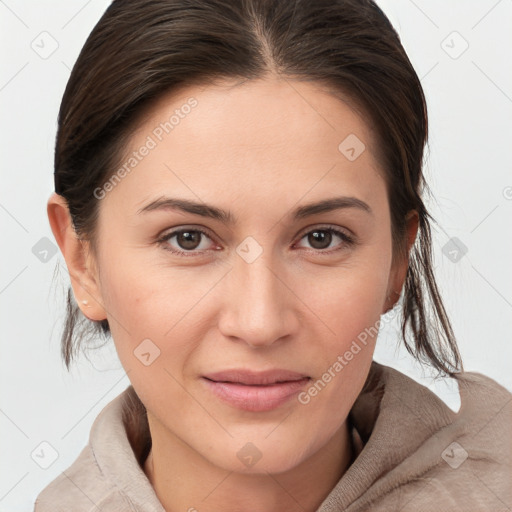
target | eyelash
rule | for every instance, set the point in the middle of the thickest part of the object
(348, 241)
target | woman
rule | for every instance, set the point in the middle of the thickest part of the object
(239, 198)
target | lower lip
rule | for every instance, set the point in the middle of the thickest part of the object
(256, 398)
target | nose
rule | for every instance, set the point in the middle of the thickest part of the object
(259, 307)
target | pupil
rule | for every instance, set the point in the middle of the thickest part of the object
(188, 239)
(320, 237)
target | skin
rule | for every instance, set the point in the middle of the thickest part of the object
(259, 150)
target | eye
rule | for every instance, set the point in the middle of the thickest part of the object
(188, 241)
(321, 238)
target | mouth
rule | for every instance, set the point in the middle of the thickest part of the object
(255, 392)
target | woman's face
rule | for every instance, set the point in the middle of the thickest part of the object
(265, 287)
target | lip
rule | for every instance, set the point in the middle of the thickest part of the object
(241, 376)
(255, 391)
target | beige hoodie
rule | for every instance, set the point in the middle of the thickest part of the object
(415, 454)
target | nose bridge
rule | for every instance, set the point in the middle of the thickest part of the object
(258, 307)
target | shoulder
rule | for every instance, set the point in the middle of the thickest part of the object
(81, 487)
(482, 398)
(429, 457)
(480, 393)
(472, 464)
(483, 423)
(102, 474)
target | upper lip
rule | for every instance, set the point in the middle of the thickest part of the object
(242, 376)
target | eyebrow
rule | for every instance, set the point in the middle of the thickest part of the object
(227, 217)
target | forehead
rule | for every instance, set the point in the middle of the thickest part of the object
(259, 138)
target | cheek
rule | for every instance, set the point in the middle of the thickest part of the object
(144, 315)
(156, 304)
(350, 308)
(344, 354)
(351, 297)
(133, 315)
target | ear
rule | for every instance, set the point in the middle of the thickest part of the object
(399, 271)
(79, 259)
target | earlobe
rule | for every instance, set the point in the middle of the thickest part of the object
(79, 261)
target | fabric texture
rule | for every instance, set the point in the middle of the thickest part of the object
(414, 453)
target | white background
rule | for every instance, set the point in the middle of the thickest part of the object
(469, 169)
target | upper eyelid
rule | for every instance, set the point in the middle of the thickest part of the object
(326, 227)
(206, 231)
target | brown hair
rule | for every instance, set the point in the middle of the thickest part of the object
(142, 49)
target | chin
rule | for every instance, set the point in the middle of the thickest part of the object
(259, 456)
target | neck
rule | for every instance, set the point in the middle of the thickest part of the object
(185, 480)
